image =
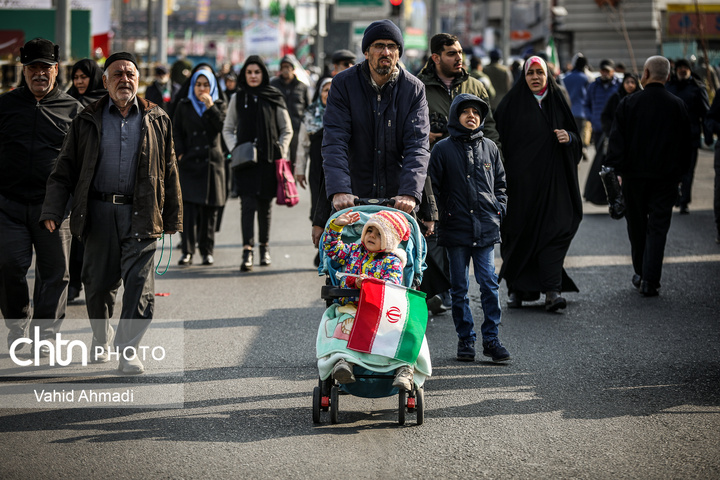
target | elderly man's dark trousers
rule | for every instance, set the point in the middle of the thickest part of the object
(113, 256)
(649, 212)
(20, 233)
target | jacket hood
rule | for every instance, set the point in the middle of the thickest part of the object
(462, 101)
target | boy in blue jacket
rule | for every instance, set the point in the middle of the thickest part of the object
(468, 179)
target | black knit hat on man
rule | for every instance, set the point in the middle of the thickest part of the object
(120, 56)
(382, 30)
(39, 50)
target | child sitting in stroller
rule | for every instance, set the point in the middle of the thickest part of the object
(377, 255)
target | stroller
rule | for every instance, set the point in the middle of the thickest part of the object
(372, 381)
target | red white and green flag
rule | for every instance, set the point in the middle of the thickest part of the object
(390, 321)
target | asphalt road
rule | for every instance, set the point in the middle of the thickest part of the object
(616, 386)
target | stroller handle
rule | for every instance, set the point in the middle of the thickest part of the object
(386, 202)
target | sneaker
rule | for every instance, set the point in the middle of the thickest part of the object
(496, 351)
(403, 378)
(466, 350)
(343, 372)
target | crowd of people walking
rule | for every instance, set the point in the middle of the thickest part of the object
(480, 157)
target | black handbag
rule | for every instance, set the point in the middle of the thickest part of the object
(615, 199)
(244, 155)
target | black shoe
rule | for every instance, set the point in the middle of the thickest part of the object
(514, 300)
(73, 293)
(496, 351)
(436, 305)
(247, 261)
(684, 210)
(648, 290)
(636, 280)
(208, 259)
(466, 350)
(185, 260)
(265, 256)
(554, 302)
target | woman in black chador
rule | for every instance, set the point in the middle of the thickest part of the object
(542, 148)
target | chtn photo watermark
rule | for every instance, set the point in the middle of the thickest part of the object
(74, 349)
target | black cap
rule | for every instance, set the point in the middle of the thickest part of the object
(609, 64)
(682, 62)
(382, 30)
(39, 50)
(287, 59)
(120, 56)
(161, 70)
(343, 55)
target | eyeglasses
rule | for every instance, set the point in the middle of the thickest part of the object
(380, 47)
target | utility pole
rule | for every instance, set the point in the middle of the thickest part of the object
(149, 30)
(434, 19)
(62, 28)
(162, 33)
(506, 29)
(321, 34)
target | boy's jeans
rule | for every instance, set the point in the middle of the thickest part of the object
(484, 266)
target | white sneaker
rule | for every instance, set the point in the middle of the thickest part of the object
(404, 378)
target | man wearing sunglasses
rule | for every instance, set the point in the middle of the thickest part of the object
(376, 127)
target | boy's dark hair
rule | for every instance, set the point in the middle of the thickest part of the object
(440, 41)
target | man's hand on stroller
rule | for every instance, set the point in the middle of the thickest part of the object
(342, 201)
(347, 218)
(406, 203)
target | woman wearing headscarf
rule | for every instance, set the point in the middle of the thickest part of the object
(257, 113)
(197, 132)
(186, 86)
(594, 190)
(87, 85)
(542, 148)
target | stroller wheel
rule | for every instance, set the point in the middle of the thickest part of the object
(420, 406)
(316, 405)
(334, 404)
(402, 397)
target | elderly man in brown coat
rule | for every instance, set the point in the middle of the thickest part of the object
(118, 162)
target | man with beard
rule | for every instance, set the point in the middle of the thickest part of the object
(445, 78)
(33, 121)
(296, 98)
(693, 93)
(376, 127)
(118, 163)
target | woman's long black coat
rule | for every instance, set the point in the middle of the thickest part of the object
(198, 140)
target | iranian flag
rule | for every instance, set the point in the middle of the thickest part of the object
(390, 321)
